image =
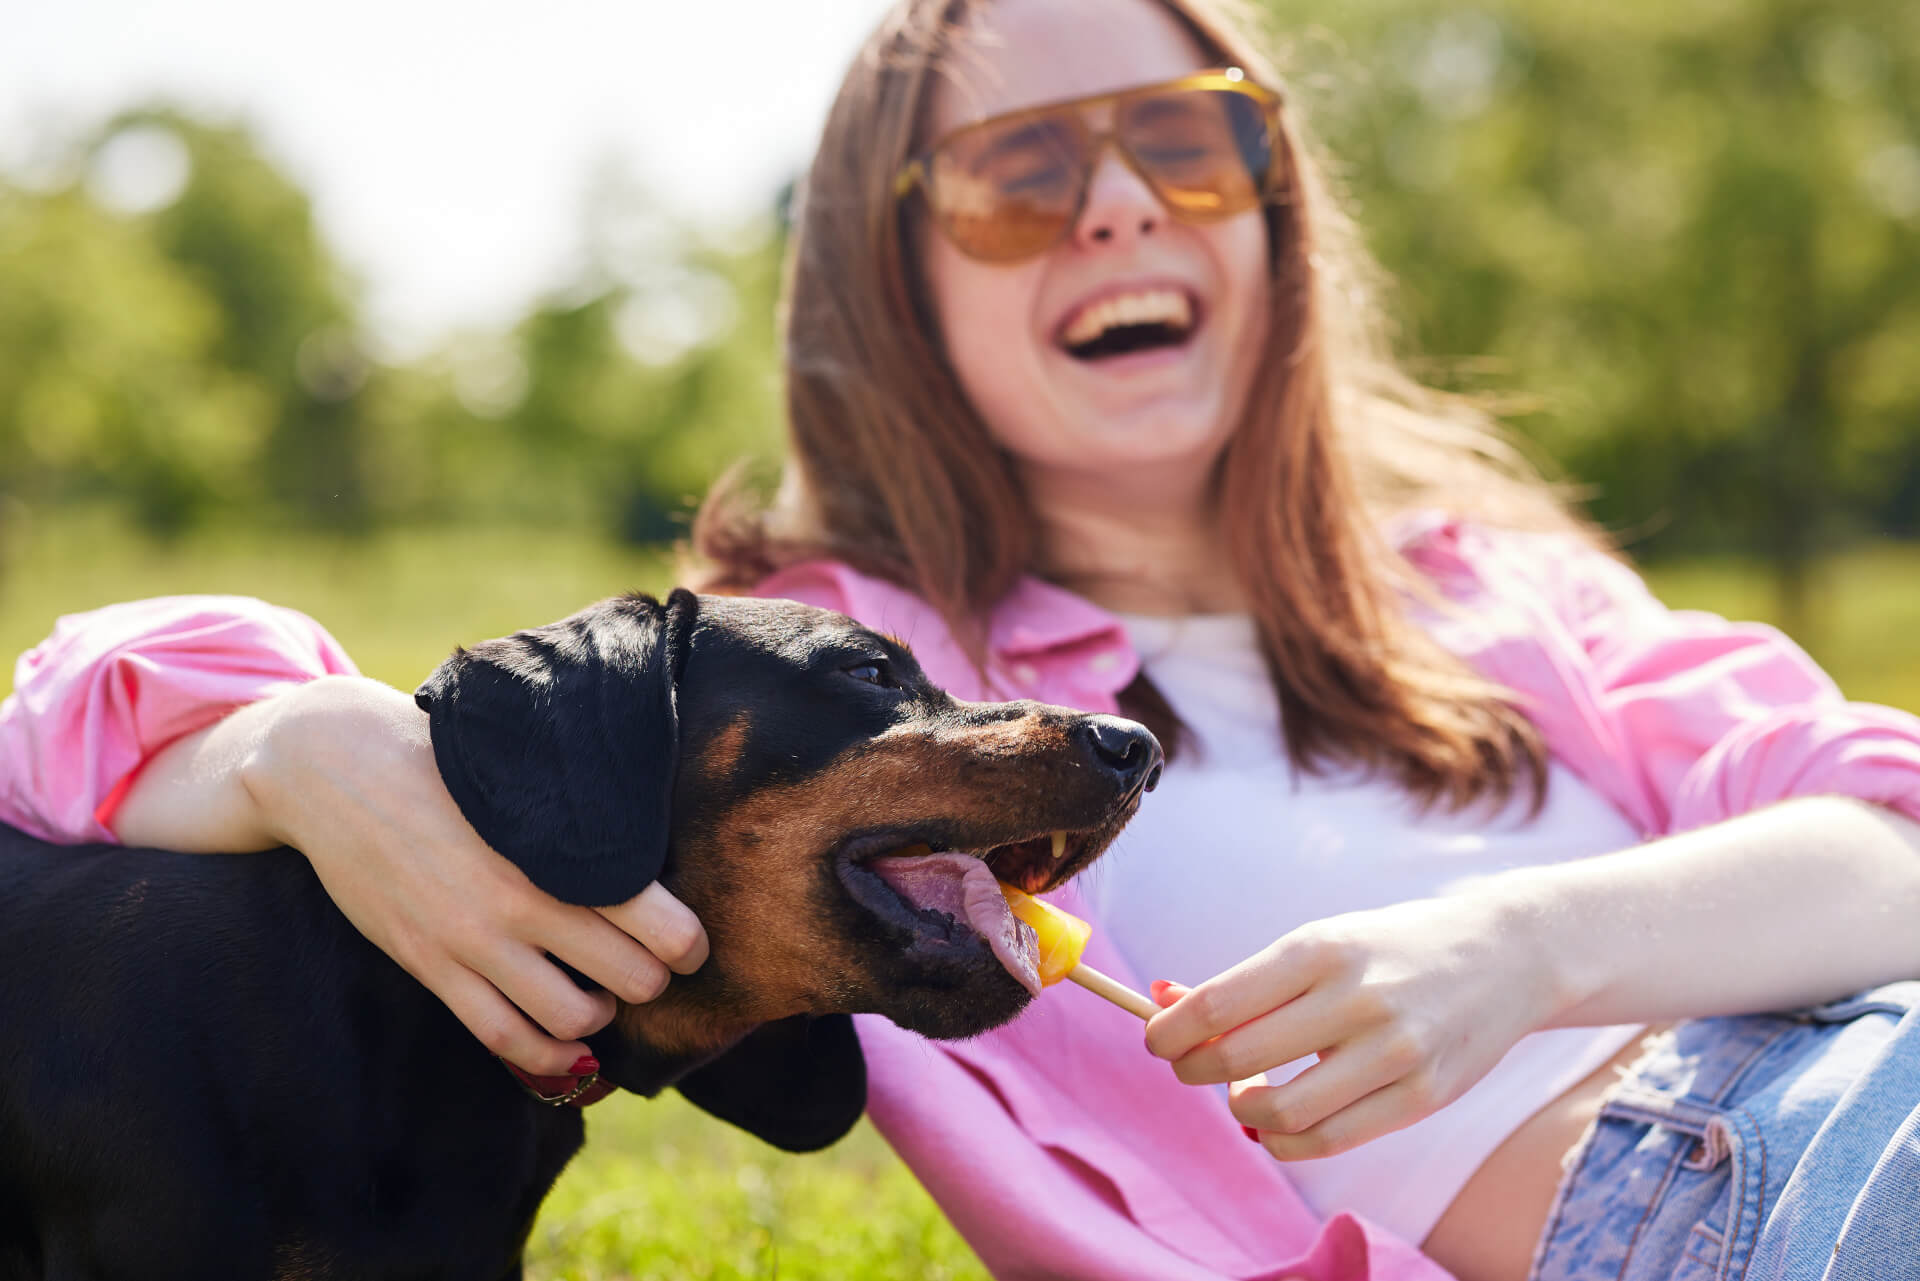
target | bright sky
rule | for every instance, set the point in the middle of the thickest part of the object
(449, 147)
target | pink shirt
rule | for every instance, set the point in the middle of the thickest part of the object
(1057, 1145)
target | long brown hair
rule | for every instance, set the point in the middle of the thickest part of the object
(892, 472)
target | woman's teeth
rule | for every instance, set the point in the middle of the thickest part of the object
(1168, 308)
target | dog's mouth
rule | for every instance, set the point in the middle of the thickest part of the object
(945, 894)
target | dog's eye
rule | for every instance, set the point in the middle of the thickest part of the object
(871, 673)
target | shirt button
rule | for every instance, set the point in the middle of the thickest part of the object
(1026, 674)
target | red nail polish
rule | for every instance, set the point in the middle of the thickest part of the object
(1250, 1132)
(585, 1065)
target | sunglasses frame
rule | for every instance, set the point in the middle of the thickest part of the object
(917, 172)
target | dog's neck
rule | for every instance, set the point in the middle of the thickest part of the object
(650, 1046)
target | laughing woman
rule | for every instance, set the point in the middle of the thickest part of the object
(1524, 926)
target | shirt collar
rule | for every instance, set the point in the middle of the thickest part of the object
(1048, 639)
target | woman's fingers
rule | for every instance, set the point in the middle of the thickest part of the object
(499, 1024)
(599, 949)
(595, 943)
(1262, 983)
(510, 995)
(1303, 1026)
(494, 965)
(346, 773)
(1343, 1076)
(1405, 1008)
(619, 948)
(664, 926)
(1385, 1110)
(545, 993)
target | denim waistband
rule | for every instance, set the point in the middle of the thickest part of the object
(1773, 1147)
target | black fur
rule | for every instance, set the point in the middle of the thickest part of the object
(534, 735)
(207, 1073)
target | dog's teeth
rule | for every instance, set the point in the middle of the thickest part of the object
(1059, 844)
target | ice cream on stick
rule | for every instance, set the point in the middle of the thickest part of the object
(1036, 942)
(1062, 937)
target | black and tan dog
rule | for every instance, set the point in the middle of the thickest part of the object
(205, 1072)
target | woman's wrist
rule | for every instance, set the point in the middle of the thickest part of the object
(1541, 934)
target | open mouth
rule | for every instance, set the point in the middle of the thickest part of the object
(948, 899)
(1136, 321)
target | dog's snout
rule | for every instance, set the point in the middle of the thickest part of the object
(1126, 748)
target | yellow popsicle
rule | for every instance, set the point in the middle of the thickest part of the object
(1062, 937)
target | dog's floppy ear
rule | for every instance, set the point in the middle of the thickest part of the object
(799, 1083)
(560, 743)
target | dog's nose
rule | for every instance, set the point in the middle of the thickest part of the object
(1125, 747)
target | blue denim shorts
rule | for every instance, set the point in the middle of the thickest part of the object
(1761, 1148)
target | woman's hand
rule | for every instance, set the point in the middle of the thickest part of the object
(1407, 1006)
(342, 769)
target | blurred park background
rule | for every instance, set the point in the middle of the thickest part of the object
(1679, 243)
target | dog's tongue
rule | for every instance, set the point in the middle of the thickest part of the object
(961, 886)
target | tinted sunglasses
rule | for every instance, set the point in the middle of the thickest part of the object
(1011, 186)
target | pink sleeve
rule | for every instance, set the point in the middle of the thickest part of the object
(1720, 718)
(109, 688)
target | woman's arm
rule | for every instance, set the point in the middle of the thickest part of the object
(217, 724)
(342, 769)
(1409, 1005)
(1772, 891)
(1798, 903)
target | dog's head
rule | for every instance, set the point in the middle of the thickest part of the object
(835, 819)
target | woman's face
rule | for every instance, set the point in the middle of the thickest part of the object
(1159, 415)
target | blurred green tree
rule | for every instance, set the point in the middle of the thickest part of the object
(181, 341)
(177, 335)
(110, 384)
(1690, 228)
(1691, 231)
(618, 398)
(245, 233)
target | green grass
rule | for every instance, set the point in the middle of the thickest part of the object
(663, 1191)
(398, 602)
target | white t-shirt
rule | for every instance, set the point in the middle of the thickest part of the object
(1235, 849)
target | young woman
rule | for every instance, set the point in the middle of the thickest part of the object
(1085, 401)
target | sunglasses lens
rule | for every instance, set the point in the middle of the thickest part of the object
(1206, 151)
(1008, 190)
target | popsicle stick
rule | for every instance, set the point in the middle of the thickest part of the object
(1119, 993)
